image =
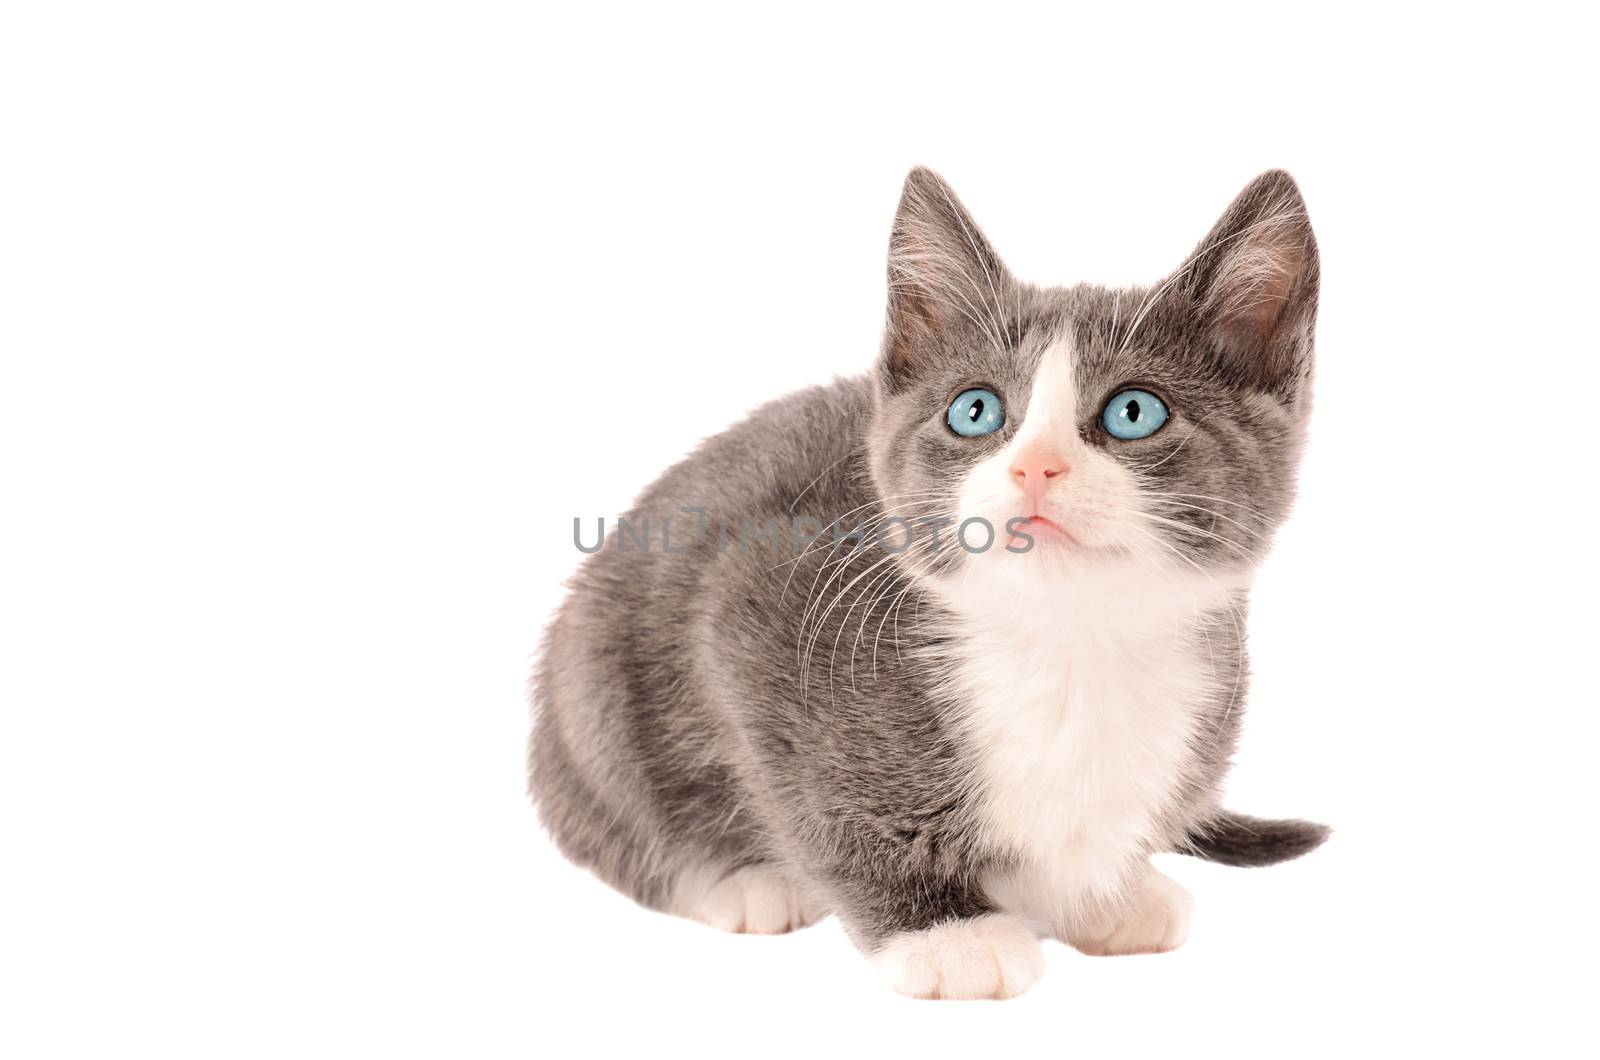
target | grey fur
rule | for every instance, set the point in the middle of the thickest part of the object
(710, 710)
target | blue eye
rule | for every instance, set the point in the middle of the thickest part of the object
(976, 412)
(1134, 414)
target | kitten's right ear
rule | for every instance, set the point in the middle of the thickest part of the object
(942, 274)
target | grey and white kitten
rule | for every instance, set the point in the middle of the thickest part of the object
(955, 749)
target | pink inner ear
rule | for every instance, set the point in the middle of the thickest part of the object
(1276, 290)
(915, 319)
(1257, 279)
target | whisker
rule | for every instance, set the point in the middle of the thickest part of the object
(1190, 528)
(822, 473)
(814, 611)
(1169, 499)
(1194, 430)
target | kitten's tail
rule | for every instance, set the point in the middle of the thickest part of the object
(1237, 839)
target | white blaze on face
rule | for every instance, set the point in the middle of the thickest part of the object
(1052, 406)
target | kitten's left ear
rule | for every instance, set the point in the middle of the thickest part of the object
(1254, 282)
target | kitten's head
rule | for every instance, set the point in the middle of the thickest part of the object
(1155, 428)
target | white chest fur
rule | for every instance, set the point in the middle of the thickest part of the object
(1081, 716)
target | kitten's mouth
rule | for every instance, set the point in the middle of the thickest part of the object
(1041, 528)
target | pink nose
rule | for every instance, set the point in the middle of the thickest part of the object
(1033, 472)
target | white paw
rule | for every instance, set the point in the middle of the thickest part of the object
(753, 901)
(992, 956)
(1155, 920)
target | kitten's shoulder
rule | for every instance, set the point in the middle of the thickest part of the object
(813, 420)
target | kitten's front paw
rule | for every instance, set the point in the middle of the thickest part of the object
(1155, 920)
(992, 956)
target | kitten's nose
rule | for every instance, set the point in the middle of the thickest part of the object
(1034, 470)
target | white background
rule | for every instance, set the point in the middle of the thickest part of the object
(322, 321)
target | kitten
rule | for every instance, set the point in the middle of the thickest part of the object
(957, 740)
